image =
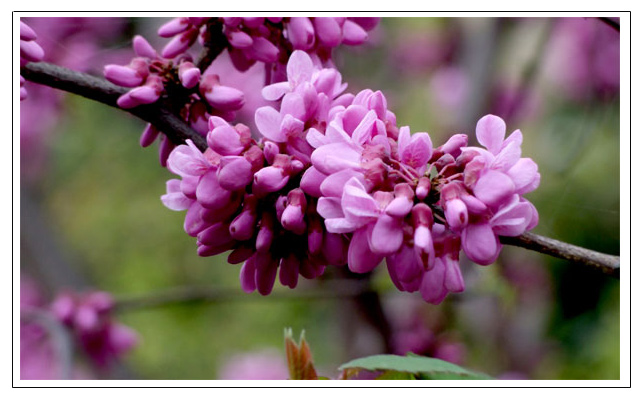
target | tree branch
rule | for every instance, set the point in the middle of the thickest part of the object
(101, 90)
(105, 92)
(613, 24)
(607, 264)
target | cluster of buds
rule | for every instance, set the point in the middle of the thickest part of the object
(192, 95)
(88, 316)
(243, 196)
(30, 51)
(380, 191)
(269, 40)
(195, 93)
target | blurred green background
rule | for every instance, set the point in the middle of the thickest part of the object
(528, 314)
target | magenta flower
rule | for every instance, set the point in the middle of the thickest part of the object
(333, 180)
(30, 51)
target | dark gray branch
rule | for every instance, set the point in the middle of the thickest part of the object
(105, 92)
(605, 263)
(610, 22)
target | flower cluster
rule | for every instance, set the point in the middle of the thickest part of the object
(194, 92)
(341, 159)
(194, 96)
(30, 51)
(88, 316)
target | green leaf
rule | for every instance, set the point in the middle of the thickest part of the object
(395, 375)
(425, 367)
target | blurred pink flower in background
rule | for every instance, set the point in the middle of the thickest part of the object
(268, 364)
(583, 59)
(50, 334)
(74, 43)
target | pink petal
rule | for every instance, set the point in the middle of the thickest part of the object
(360, 258)
(405, 270)
(332, 186)
(266, 269)
(328, 31)
(512, 219)
(275, 91)
(311, 182)
(453, 280)
(187, 160)
(235, 173)
(387, 235)
(507, 157)
(432, 285)
(490, 132)
(329, 207)
(399, 207)
(357, 204)
(525, 176)
(248, 271)
(480, 243)
(335, 157)
(299, 67)
(143, 48)
(301, 33)
(175, 199)
(493, 187)
(268, 121)
(353, 34)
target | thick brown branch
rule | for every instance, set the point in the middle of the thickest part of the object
(605, 263)
(105, 92)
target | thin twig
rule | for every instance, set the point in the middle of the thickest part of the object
(605, 263)
(99, 89)
(613, 24)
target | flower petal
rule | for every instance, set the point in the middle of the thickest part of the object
(490, 132)
(387, 235)
(480, 243)
(493, 187)
(360, 258)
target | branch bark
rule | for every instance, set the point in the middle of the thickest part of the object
(105, 92)
(605, 263)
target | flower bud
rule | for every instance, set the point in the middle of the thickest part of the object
(122, 75)
(142, 48)
(301, 33)
(173, 27)
(239, 39)
(180, 43)
(289, 271)
(268, 180)
(188, 74)
(234, 173)
(221, 97)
